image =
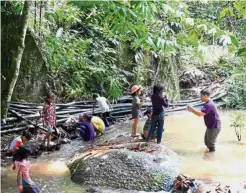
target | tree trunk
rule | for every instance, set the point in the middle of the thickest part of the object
(16, 61)
(155, 62)
(174, 77)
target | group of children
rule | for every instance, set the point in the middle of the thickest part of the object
(89, 126)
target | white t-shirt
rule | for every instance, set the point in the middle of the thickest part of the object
(102, 102)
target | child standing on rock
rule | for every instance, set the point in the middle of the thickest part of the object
(24, 182)
(49, 116)
(136, 108)
(158, 116)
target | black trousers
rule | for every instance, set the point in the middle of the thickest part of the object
(106, 116)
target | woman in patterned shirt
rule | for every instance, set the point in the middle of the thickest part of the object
(49, 116)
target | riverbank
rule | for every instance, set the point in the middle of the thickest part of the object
(183, 134)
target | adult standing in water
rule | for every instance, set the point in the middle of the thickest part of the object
(158, 116)
(211, 119)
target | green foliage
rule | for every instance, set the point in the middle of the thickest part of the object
(236, 85)
(82, 57)
(12, 7)
(238, 123)
(85, 39)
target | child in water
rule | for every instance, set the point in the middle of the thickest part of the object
(18, 142)
(24, 182)
(136, 108)
(49, 116)
(85, 127)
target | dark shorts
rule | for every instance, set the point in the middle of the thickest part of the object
(30, 189)
(137, 114)
(210, 138)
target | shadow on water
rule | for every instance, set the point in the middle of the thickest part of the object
(184, 134)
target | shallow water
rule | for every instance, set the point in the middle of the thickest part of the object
(184, 134)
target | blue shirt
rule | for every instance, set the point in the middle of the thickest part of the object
(89, 134)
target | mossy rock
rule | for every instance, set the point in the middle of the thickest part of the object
(123, 168)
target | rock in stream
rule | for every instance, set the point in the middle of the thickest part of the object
(132, 166)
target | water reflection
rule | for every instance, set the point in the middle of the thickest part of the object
(185, 133)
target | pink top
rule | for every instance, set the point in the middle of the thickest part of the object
(49, 114)
(26, 180)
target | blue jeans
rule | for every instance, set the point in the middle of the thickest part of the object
(81, 131)
(157, 123)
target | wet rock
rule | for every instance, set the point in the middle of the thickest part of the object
(93, 190)
(124, 168)
(184, 184)
(191, 77)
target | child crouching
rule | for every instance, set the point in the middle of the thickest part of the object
(147, 125)
(85, 127)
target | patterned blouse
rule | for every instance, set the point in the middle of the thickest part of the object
(49, 114)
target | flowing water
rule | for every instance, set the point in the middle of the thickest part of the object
(184, 134)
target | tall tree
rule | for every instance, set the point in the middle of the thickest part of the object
(11, 78)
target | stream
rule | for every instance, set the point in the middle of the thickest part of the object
(184, 134)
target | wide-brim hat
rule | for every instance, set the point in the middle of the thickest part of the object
(135, 88)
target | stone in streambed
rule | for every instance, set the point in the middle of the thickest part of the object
(127, 169)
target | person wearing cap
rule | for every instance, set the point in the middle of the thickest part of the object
(105, 107)
(211, 118)
(136, 108)
(147, 125)
(49, 116)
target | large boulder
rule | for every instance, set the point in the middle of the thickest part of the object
(132, 166)
(192, 77)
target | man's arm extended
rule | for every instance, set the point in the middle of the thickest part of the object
(195, 112)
